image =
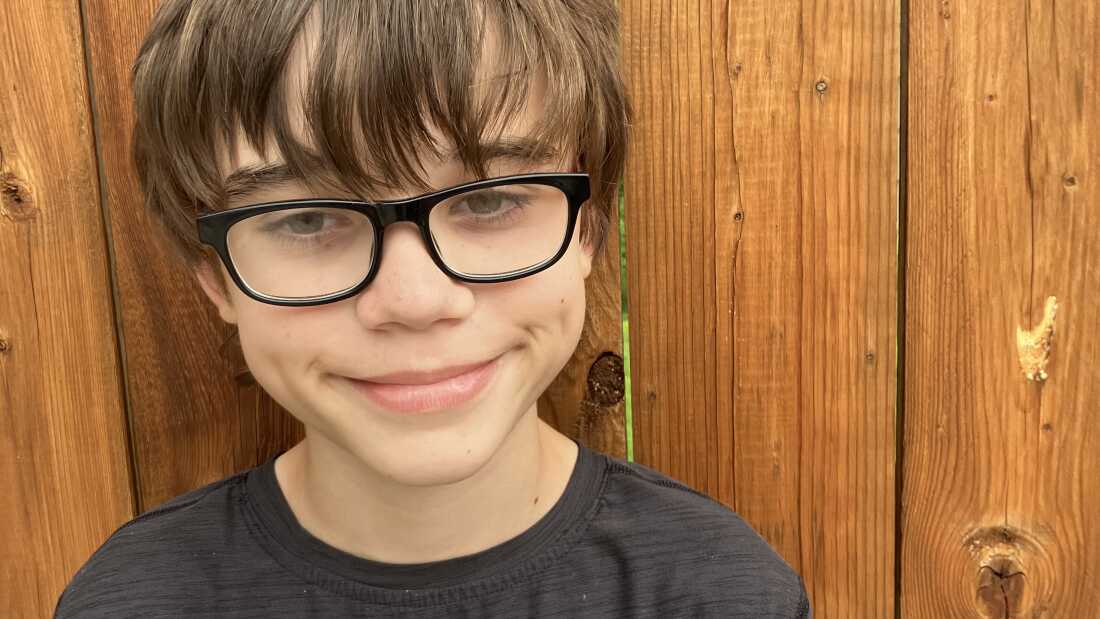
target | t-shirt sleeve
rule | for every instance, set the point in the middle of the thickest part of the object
(127, 574)
(754, 579)
(713, 562)
(105, 583)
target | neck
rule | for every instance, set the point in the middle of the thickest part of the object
(348, 506)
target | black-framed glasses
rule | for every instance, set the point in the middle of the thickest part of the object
(316, 251)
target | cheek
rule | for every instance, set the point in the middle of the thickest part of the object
(568, 291)
(277, 340)
(548, 306)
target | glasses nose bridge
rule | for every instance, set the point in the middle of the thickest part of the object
(414, 211)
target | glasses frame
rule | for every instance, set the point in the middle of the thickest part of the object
(213, 228)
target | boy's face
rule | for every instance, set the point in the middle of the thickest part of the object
(413, 317)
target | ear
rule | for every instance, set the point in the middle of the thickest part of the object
(585, 256)
(587, 251)
(215, 289)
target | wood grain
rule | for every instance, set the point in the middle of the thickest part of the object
(761, 234)
(64, 474)
(1002, 469)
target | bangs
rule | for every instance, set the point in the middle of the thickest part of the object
(352, 94)
(374, 76)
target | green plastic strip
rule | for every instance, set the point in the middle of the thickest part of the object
(626, 324)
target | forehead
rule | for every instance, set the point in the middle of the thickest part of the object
(247, 171)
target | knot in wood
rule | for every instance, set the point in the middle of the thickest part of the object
(821, 86)
(606, 381)
(1006, 559)
(1001, 588)
(15, 199)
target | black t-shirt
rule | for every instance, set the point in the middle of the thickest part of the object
(622, 541)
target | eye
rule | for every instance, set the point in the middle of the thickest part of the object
(487, 206)
(310, 222)
(300, 222)
(311, 225)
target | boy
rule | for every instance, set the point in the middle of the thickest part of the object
(278, 142)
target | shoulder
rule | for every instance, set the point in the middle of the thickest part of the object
(148, 551)
(698, 545)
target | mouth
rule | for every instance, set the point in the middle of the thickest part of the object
(411, 393)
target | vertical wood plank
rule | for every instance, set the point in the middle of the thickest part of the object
(1059, 448)
(761, 231)
(849, 123)
(1001, 441)
(193, 421)
(64, 466)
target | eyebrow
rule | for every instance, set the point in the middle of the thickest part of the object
(251, 179)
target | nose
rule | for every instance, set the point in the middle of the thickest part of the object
(409, 290)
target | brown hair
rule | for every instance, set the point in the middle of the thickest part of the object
(207, 67)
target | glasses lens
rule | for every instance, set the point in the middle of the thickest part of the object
(302, 253)
(500, 230)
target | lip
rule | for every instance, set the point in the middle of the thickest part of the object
(426, 377)
(412, 393)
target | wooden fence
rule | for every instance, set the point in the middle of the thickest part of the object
(863, 269)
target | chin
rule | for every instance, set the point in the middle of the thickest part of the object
(432, 467)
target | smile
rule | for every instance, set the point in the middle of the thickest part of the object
(412, 393)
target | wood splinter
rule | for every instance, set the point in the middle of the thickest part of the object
(1034, 346)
